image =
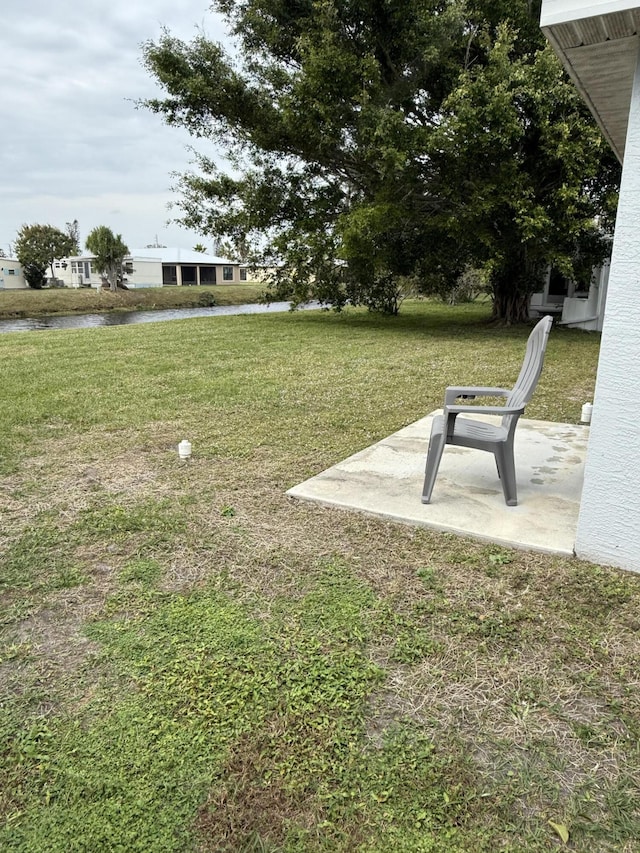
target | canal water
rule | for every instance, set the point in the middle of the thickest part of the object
(125, 318)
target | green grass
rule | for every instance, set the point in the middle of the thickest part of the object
(35, 303)
(192, 661)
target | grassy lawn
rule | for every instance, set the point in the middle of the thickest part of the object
(34, 303)
(191, 661)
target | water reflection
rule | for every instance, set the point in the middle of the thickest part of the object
(124, 318)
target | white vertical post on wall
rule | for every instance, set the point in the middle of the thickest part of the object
(609, 523)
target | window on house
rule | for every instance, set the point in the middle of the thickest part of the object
(558, 284)
(243, 275)
(227, 273)
(11, 272)
(207, 275)
(189, 275)
(169, 274)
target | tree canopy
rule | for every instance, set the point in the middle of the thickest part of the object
(109, 251)
(370, 143)
(37, 247)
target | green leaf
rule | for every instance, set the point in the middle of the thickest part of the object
(561, 829)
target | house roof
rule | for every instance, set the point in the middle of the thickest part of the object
(597, 43)
(179, 256)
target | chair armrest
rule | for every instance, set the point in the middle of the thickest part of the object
(453, 392)
(484, 410)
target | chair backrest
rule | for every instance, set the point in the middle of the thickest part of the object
(531, 368)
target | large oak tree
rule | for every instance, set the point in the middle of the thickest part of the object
(373, 142)
(37, 247)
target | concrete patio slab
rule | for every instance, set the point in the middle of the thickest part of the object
(386, 480)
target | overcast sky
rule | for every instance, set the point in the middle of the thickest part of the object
(72, 145)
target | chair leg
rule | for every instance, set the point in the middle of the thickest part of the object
(434, 455)
(507, 473)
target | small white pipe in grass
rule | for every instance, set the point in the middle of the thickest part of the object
(184, 449)
(587, 409)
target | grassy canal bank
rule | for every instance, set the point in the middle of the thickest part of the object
(39, 303)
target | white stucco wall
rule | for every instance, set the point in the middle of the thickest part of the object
(11, 276)
(146, 273)
(609, 523)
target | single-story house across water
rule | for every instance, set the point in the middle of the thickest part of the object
(156, 267)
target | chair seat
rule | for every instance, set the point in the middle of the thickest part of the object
(470, 430)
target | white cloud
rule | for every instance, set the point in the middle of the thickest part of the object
(72, 144)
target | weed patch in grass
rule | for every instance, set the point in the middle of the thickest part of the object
(115, 521)
(40, 560)
(144, 571)
(191, 704)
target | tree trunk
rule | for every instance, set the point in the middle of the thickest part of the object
(509, 304)
(512, 284)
